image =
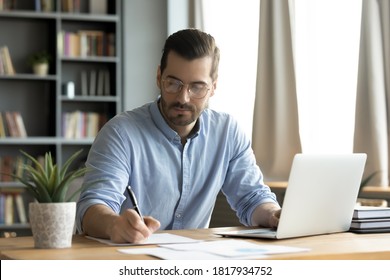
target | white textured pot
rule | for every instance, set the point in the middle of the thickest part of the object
(41, 69)
(52, 224)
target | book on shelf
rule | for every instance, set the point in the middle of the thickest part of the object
(44, 5)
(12, 124)
(12, 207)
(78, 124)
(6, 168)
(92, 82)
(70, 44)
(9, 209)
(20, 124)
(47, 5)
(86, 43)
(97, 84)
(70, 6)
(8, 206)
(2, 208)
(12, 165)
(21, 210)
(6, 5)
(38, 7)
(3, 132)
(100, 83)
(93, 42)
(111, 44)
(84, 83)
(98, 6)
(7, 66)
(2, 67)
(107, 85)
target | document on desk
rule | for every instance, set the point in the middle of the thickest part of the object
(156, 238)
(224, 249)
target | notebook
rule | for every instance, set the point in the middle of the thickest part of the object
(320, 197)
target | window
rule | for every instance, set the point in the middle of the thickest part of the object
(327, 51)
(235, 27)
(327, 34)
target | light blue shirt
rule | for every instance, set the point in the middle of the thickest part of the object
(175, 184)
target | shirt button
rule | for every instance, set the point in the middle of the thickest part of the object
(178, 216)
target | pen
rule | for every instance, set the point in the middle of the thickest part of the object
(134, 201)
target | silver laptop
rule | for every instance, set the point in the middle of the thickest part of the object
(320, 197)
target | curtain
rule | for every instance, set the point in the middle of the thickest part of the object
(275, 136)
(373, 91)
(196, 19)
(183, 14)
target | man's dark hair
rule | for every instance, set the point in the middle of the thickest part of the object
(192, 44)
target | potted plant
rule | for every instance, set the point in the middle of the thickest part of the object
(52, 215)
(39, 62)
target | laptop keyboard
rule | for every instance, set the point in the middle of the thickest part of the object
(256, 231)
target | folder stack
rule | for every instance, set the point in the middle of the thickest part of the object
(367, 219)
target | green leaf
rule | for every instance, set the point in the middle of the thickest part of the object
(36, 163)
(66, 165)
(62, 188)
(53, 180)
(49, 184)
(39, 192)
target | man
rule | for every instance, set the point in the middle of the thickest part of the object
(176, 154)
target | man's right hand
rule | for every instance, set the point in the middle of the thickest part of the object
(100, 221)
(129, 227)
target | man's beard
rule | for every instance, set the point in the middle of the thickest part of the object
(179, 119)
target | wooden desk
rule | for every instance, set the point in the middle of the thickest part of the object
(333, 246)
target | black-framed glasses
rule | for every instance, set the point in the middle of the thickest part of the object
(196, 90)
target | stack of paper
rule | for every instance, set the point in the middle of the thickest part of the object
(175, 247)
(368, 219)
(209, 250)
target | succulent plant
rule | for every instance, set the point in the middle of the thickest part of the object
(46, 181)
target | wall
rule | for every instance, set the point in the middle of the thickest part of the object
(144, 33)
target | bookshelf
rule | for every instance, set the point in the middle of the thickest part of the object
(85, 83)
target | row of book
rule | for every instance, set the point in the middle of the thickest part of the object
(12, 208)
(45, 5)
(69, 6)
(93, 83)
(84, 43)
(94, 6)
(12, 124)
(370, 219)
(96, 82)
(12, 165)
(6, 5)
(78, 124)
(6, 65)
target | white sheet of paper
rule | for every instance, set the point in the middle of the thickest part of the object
(168, 254)
(213, 250)
(156, 238)
(234, 248)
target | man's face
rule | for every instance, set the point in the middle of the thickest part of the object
(181, 109)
